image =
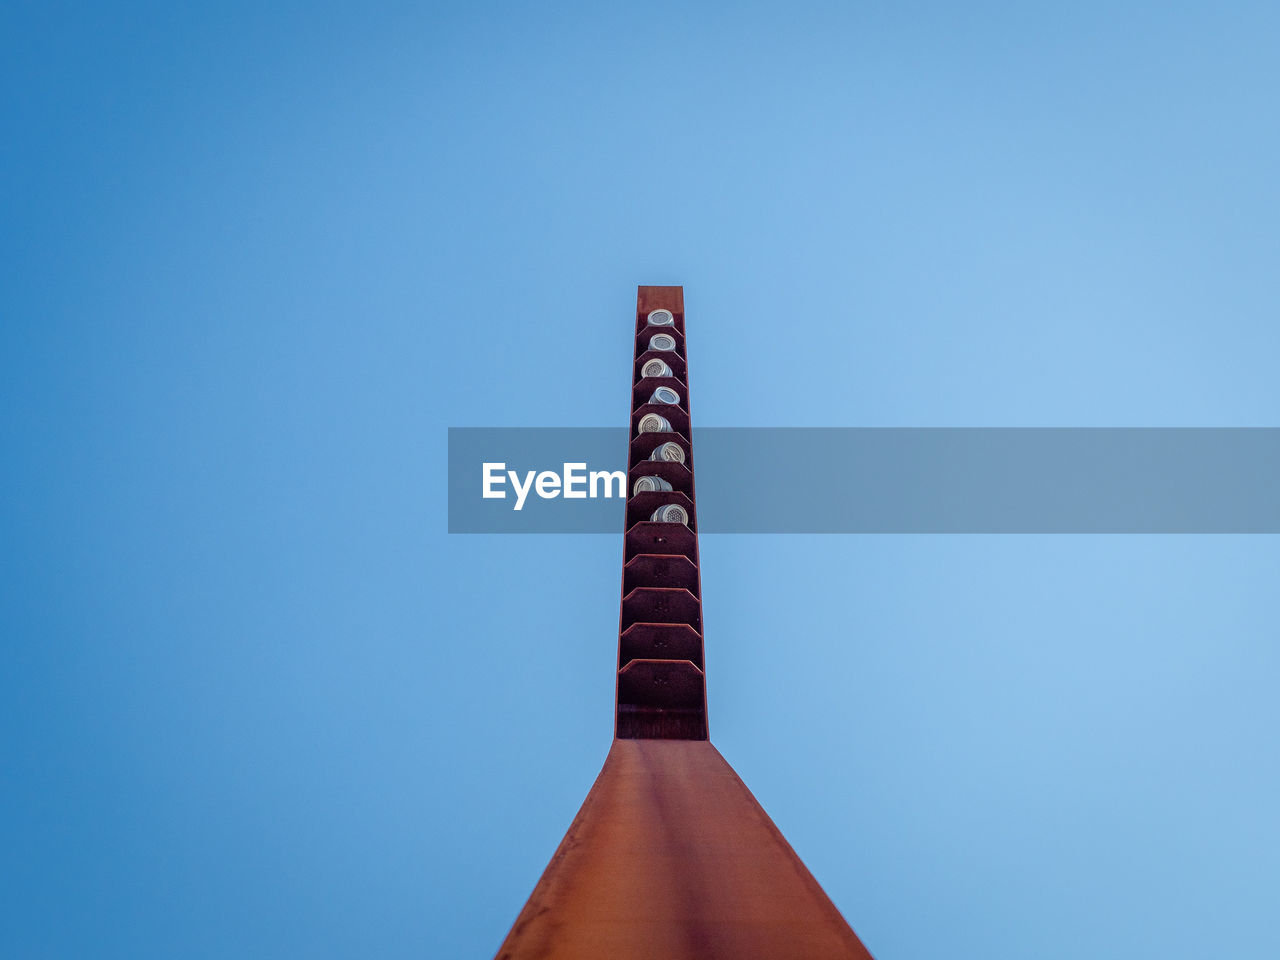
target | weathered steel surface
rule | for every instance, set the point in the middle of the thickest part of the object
(659, 571)
(672, 858)
(652, 641)
(661, 298)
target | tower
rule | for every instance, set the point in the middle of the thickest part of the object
(670, 856)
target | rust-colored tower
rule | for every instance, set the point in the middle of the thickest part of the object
(670, 857)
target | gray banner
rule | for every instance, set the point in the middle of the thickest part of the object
(884, 480)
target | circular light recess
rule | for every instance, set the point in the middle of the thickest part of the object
(661, 318)
(650, 485)
(662, 341)
(652, 423)
(670, 451)
(671, 513)
(655, 368)
(665, 395)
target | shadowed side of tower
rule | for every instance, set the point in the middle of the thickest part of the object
(670, 857)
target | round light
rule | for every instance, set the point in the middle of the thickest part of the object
(662, 341)
(671, 513)
(665, 395)
(661, 318)
(652, 423)
(655, 368)
(650, 485)
(670, 451)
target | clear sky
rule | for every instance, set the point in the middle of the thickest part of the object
(255, 258)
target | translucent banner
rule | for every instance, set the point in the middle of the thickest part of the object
(881, 480)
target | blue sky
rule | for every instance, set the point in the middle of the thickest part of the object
(257, 259)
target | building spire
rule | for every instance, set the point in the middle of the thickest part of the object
(670, 855)
(661, 685)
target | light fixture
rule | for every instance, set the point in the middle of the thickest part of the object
(650, 485)
(652, 423)
(670, 451)
(661, 318)
(671, 513)
(656, 368)
(664, 395)
(662, 341)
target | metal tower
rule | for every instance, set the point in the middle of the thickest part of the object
(670, 857)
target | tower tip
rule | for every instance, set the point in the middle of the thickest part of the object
(659, 298)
